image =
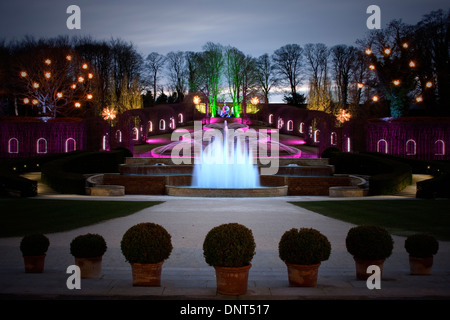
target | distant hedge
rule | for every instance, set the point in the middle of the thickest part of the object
(12, 184)
(67, 175)
(385, 176)
(436, 187)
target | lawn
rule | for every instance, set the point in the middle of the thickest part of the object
(24, 216)
(400, 217)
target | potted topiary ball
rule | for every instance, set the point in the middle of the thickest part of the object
(421, 248)
(229, 248)
(146, 246)
(88, 250)
(369, 245)
(34, 248)
(303, 250)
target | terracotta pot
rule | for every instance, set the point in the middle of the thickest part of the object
(362, 265)
(89, 267)
(420, 266)
(146, 274)
(232, 280)
(34, 264)
(302, 275)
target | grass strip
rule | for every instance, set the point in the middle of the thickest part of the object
(27, 215)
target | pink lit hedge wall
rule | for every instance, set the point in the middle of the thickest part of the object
(29, 137)
(425, 138)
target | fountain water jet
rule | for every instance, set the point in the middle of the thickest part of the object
(226, 164)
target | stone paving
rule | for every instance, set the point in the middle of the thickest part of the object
(186, 275)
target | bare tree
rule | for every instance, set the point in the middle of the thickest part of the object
(288, 65)
(154, 63)
(176, 64)
(316, 56)
(53, 77)
(343, 58)
(265, 75)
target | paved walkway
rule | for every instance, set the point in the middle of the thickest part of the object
(186, 275)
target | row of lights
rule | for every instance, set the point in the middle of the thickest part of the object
(396, 82)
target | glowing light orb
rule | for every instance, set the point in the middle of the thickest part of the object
(196, 100)
(372, 67)
(375, 98)
(387, 51)
(419, 99)
(412, 64)
(59, 95)
(48, 61)
(26, 100)
(360, 85)
(255, 100)
(343, 116)
(77, 105)
(35, 85)
(396, 82)
(108, 114)
(429, 84)
(48, 75)
(23, 74)
(368, 51)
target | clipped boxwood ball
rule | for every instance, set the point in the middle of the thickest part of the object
(88, 245)
(229, 245)
(146, 242)
(305, 246)
(369, 242)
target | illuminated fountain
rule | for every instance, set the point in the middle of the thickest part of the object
(226, 163)
(226, 160)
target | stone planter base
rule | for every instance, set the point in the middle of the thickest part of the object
(232, 280)
(362, 265)
(34, 264)
(302, 275)
(89, 267)
(146, 274)
(420, 266)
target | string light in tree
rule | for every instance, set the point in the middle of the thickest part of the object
(49, 82)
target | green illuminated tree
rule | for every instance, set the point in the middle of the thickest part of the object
(213, 64)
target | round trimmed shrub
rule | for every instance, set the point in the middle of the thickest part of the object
(34, 245)
(369, 242)
(305, 246)
(229, 245)
(88, 245)
(146, 242)
(421, 245)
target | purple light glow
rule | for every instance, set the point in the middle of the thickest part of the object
(157, 140)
